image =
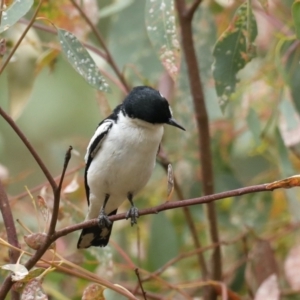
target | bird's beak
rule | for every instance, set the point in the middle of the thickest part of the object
(173, 122)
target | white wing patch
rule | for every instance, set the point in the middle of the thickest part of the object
(101, 129)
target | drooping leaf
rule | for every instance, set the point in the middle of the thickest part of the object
(81, 60)
(34, 290)
(163, 243)
(287, 169)
(254, 125)
(19, 271)
(161, 29)
(36, 240)
(233, 51)
(14, 13)
(296, 17)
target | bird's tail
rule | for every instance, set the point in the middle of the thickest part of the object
(95, 236)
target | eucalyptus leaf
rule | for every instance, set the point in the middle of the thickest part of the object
(161, 29)
(233, 51)
(81, 60)
(254, 125)
(14, 13)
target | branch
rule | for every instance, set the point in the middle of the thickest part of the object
(170, 205)
(99, 37)
(203, 130)
(11, 232)
(21, 38)
(140, 283)
(51, 232)
(190, 12)
(56, 200)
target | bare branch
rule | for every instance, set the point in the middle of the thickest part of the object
(191, 10)
(11, 232)
(57, 194)
(140, 283)
(203, 131)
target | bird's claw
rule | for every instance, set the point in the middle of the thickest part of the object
(133, 214)
(103, 220)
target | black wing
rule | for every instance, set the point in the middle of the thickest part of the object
(94, 146)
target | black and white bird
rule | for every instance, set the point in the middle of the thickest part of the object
(120, 159)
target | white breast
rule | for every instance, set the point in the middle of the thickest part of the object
(123, 164)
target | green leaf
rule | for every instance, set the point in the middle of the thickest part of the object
(286, 170)
(81, 60)
(14, 13)
(163, 244)
(254, 125)
(296, 17)
(161, 29)
(233, 51)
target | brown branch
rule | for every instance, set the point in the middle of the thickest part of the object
(16, 46)
(203, 130)
(140, 283)
(51, 231)
(11, 232)
(192, 9)
(100, 39)
(56, 200)
(167, 206)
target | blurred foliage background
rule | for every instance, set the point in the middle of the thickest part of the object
(256, 140)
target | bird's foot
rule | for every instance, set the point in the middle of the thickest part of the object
(103, 220)
(133, 214)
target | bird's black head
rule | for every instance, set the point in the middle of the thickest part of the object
(147, 104)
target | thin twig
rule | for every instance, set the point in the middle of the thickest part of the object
(140, 283)
(100, 39)
(56, 200)
(16, 46)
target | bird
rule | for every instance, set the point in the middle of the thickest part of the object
(120, 159)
